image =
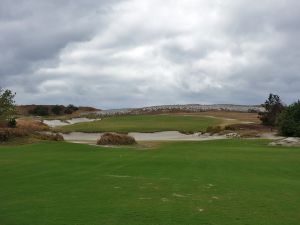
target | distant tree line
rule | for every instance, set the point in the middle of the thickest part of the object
(41, 110)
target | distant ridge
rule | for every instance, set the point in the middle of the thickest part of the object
(180, 108)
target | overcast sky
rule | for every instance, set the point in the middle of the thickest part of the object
(113, 54)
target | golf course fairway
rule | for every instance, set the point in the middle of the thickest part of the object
(224, 182)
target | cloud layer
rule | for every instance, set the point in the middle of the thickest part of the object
(112, 54)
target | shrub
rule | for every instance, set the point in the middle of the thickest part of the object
(214, 130)
(273, 107)
(4, 135)
(57, 109)
(51, 137)
(8, 133)
(31, 124)
(289, 121)
(116, 139)
(250, 126)
(70, 109)
(12, 122)
(40, 111)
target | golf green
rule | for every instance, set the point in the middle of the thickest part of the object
(145, 123)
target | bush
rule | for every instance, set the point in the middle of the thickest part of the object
(12, 122)
(51, 137)
(70, 109)
(116, 139)
(4, 135)
(289, 121)
(236, 127)
(40, 111)
(214, 130)
(57, 109)
(8, 133)
(31, 124)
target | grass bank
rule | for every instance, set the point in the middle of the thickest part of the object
(228, 182)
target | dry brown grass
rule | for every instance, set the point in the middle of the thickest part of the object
(214, 130)
(116, 139)
(249, 130)
(7, 134)
(31, 124)
(257, 127)
(51, 137)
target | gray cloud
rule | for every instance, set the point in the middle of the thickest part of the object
(133, 53)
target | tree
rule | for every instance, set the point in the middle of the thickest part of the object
(273, 107)
(7, 105)
(289, 120)
(40, 110)
(70, 109)
(57, 109)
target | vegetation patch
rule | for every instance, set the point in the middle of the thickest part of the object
(214, 129)
(7, 134)
(51, 137)
(31, 124)
(289, 121)
(116, 139)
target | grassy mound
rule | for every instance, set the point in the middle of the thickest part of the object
(116, 139)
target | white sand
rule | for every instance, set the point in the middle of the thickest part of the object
(57, 123)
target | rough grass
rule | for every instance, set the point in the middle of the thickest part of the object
(31, 124)
(7, 134)
(145, 123)
(227, 182)
(116, 139)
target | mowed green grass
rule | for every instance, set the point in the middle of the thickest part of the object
(145, 123)
(226, 182)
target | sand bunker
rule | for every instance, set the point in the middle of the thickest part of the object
(57, 123)
(80, 137)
